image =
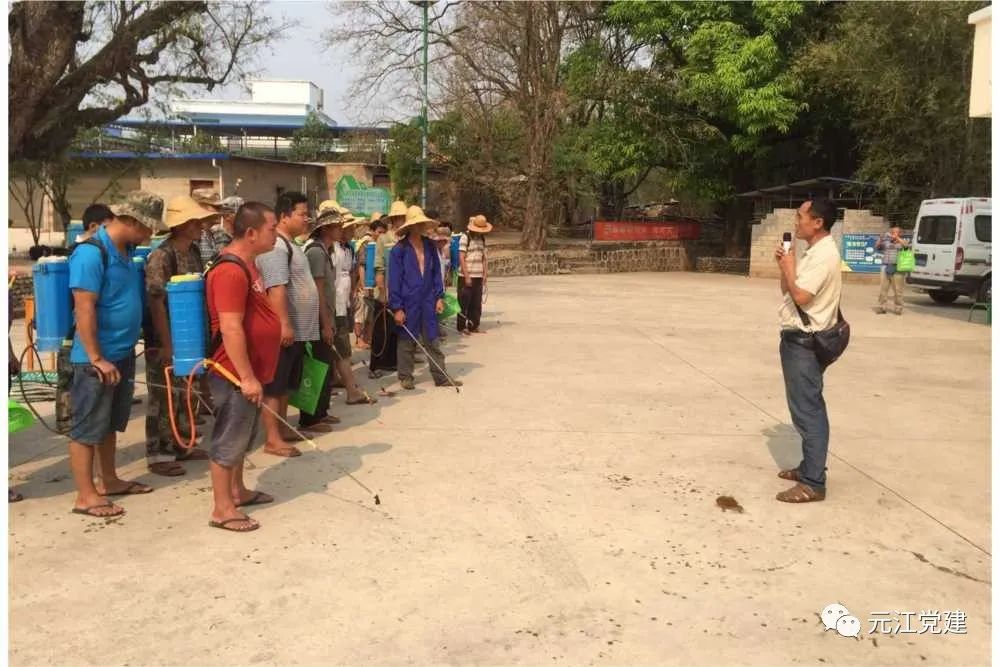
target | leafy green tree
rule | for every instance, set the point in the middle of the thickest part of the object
(313, 141)
(904, 70)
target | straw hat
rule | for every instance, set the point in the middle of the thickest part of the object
(377, 215)
(183, 209)
(479, 225)
(326, 219)
(397, 210)
(329, 205)
(414, 216)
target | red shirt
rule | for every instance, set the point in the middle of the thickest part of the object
(226, 292)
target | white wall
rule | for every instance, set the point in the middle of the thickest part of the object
(981, 90)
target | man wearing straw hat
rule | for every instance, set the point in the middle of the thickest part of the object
(177, 255)
(416, 296)
(384, 340)
(362, 309)
(473, 273)
(107, 306)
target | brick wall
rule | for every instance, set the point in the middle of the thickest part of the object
(768, 234)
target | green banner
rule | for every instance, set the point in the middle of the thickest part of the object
(361, 199)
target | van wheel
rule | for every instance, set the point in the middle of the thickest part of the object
(941, 296)
(985, 293)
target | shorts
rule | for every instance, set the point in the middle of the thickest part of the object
(236, 421)
(98, 409)
(288, 375)
(342, 337)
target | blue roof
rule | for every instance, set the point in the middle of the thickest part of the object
(131, 155)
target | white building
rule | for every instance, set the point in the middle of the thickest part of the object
(981, 90)
(273, 103)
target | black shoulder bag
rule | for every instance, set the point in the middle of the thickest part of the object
(831, 343)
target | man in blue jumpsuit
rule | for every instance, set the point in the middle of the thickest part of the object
(416, 296)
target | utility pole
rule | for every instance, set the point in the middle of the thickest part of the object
(423, 147)
(423, 4)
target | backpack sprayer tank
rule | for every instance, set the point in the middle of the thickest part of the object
(186, 306)
(53, 308)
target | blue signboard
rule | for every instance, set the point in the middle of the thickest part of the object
(859, 254)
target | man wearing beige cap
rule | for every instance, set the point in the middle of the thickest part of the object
(107, 307)
(177, 255)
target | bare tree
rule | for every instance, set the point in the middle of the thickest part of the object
(512, 51)
(78, 65)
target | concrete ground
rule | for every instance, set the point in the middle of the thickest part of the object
(561, 509)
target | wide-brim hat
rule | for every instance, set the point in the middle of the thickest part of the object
(327, 218)
(479, 225)
(207, 197)
(397, 210)
(184, 209)
(231, 204)
(143, 207)
(377, 215)
(414, 216)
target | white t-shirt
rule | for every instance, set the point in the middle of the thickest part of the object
(342, 264)
(818, 272)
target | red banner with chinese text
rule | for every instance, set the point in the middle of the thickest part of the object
(671, 230)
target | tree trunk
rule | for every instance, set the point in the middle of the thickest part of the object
(534, 231)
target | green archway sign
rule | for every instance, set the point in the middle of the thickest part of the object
(361, 199)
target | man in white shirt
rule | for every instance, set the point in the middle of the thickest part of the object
(811, 289)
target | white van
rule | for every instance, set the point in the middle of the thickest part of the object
(952, 248)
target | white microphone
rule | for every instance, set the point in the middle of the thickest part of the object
(786, 241)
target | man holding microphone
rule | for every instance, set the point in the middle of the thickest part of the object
(811, 289)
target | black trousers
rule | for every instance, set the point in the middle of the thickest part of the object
(384, 341)
(321, 352)
(471, 300)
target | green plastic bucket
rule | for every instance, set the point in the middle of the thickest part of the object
(18, 417)
(451, 307)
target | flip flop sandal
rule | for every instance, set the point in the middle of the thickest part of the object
(258, 498)
(292, 437)
(225, 525)
(89, 511)
(330, 419)
(133, 489)
(167, 469)
(365, 400)
(791, 475)
(13, 496)
(284, 452)
(800, 493)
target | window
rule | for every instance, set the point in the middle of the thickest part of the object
(199, 185)
(936, 230)
(984, 228)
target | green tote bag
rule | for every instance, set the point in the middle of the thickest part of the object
(905, 261)
(313, 377)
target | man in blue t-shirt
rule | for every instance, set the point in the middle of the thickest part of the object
(107, 303)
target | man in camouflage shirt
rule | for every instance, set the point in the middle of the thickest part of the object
(177, 255)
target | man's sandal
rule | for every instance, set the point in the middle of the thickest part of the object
(227, 524)
(791, 474)
(167, 468)
(92, 511)
(364, 400)
(801, 493)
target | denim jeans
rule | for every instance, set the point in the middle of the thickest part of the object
(804, 392)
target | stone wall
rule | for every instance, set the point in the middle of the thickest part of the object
(735, 265)
(768, 234)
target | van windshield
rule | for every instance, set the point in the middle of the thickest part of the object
(936, 230)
